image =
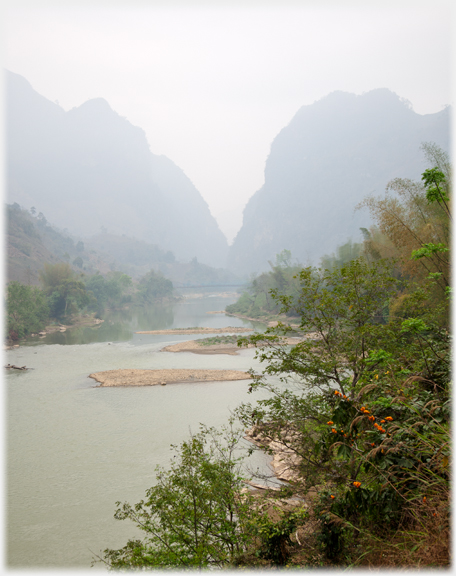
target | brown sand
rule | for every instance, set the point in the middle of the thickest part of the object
(134, 377)
(230, 329)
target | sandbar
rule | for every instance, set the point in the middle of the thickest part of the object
(136, 377)
(196, 347)
(202, 330)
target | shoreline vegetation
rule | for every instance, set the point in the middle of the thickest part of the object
(84, 320)
(266, 319)
(197, 330)
(136, 377)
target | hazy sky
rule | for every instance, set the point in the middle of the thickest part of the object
(212, 83)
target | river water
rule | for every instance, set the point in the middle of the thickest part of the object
(74, 449)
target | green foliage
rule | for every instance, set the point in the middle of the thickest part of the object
(153, 286)
(26, 309)
(275, 535)
(110, 291)
(257, 301)
(66, 295)
(339, 314)
(363, 403)
(428, 249)
(195, 515)
(434, 182)
(344, 254)
(230, 339)
(415, 220)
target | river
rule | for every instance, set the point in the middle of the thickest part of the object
(73, 449)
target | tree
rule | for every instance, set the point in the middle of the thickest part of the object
(65, 293)
(415, 218)
(107, 291)
(344, 254)
(194, 516)
(256, 301)
(27, 310)
(154, 286)
(78, 261)
(339, 313)
(362, 401)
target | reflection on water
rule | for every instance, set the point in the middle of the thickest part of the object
(120, 325)
(117, 326)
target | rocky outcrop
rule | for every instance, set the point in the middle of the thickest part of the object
(90, 169)
(332, 155)
(285, 461)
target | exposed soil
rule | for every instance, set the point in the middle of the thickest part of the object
(135, 377)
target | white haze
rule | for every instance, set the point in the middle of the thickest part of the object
(212, 84)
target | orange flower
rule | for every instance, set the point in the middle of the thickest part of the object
(356, 484)
(389, 419)
(330, 422)
(337, 393)
(333, 430)
(376, 376)
(372, 443)
(366, 411)
(380, 429)
(382, 421)
(424, 499)
(332, 496)
(371, 418)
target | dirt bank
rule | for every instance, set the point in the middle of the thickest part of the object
(197, 330)
(134, 377)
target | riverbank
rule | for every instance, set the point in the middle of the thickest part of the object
(136, 377)
(197, 330)
(84, 320)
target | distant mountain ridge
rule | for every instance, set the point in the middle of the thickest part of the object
(332, 155)
(31, 242)
(90, 169)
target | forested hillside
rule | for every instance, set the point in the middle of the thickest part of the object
(331, 156)
(89, 169)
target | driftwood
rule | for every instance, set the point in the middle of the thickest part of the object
(9, 366)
